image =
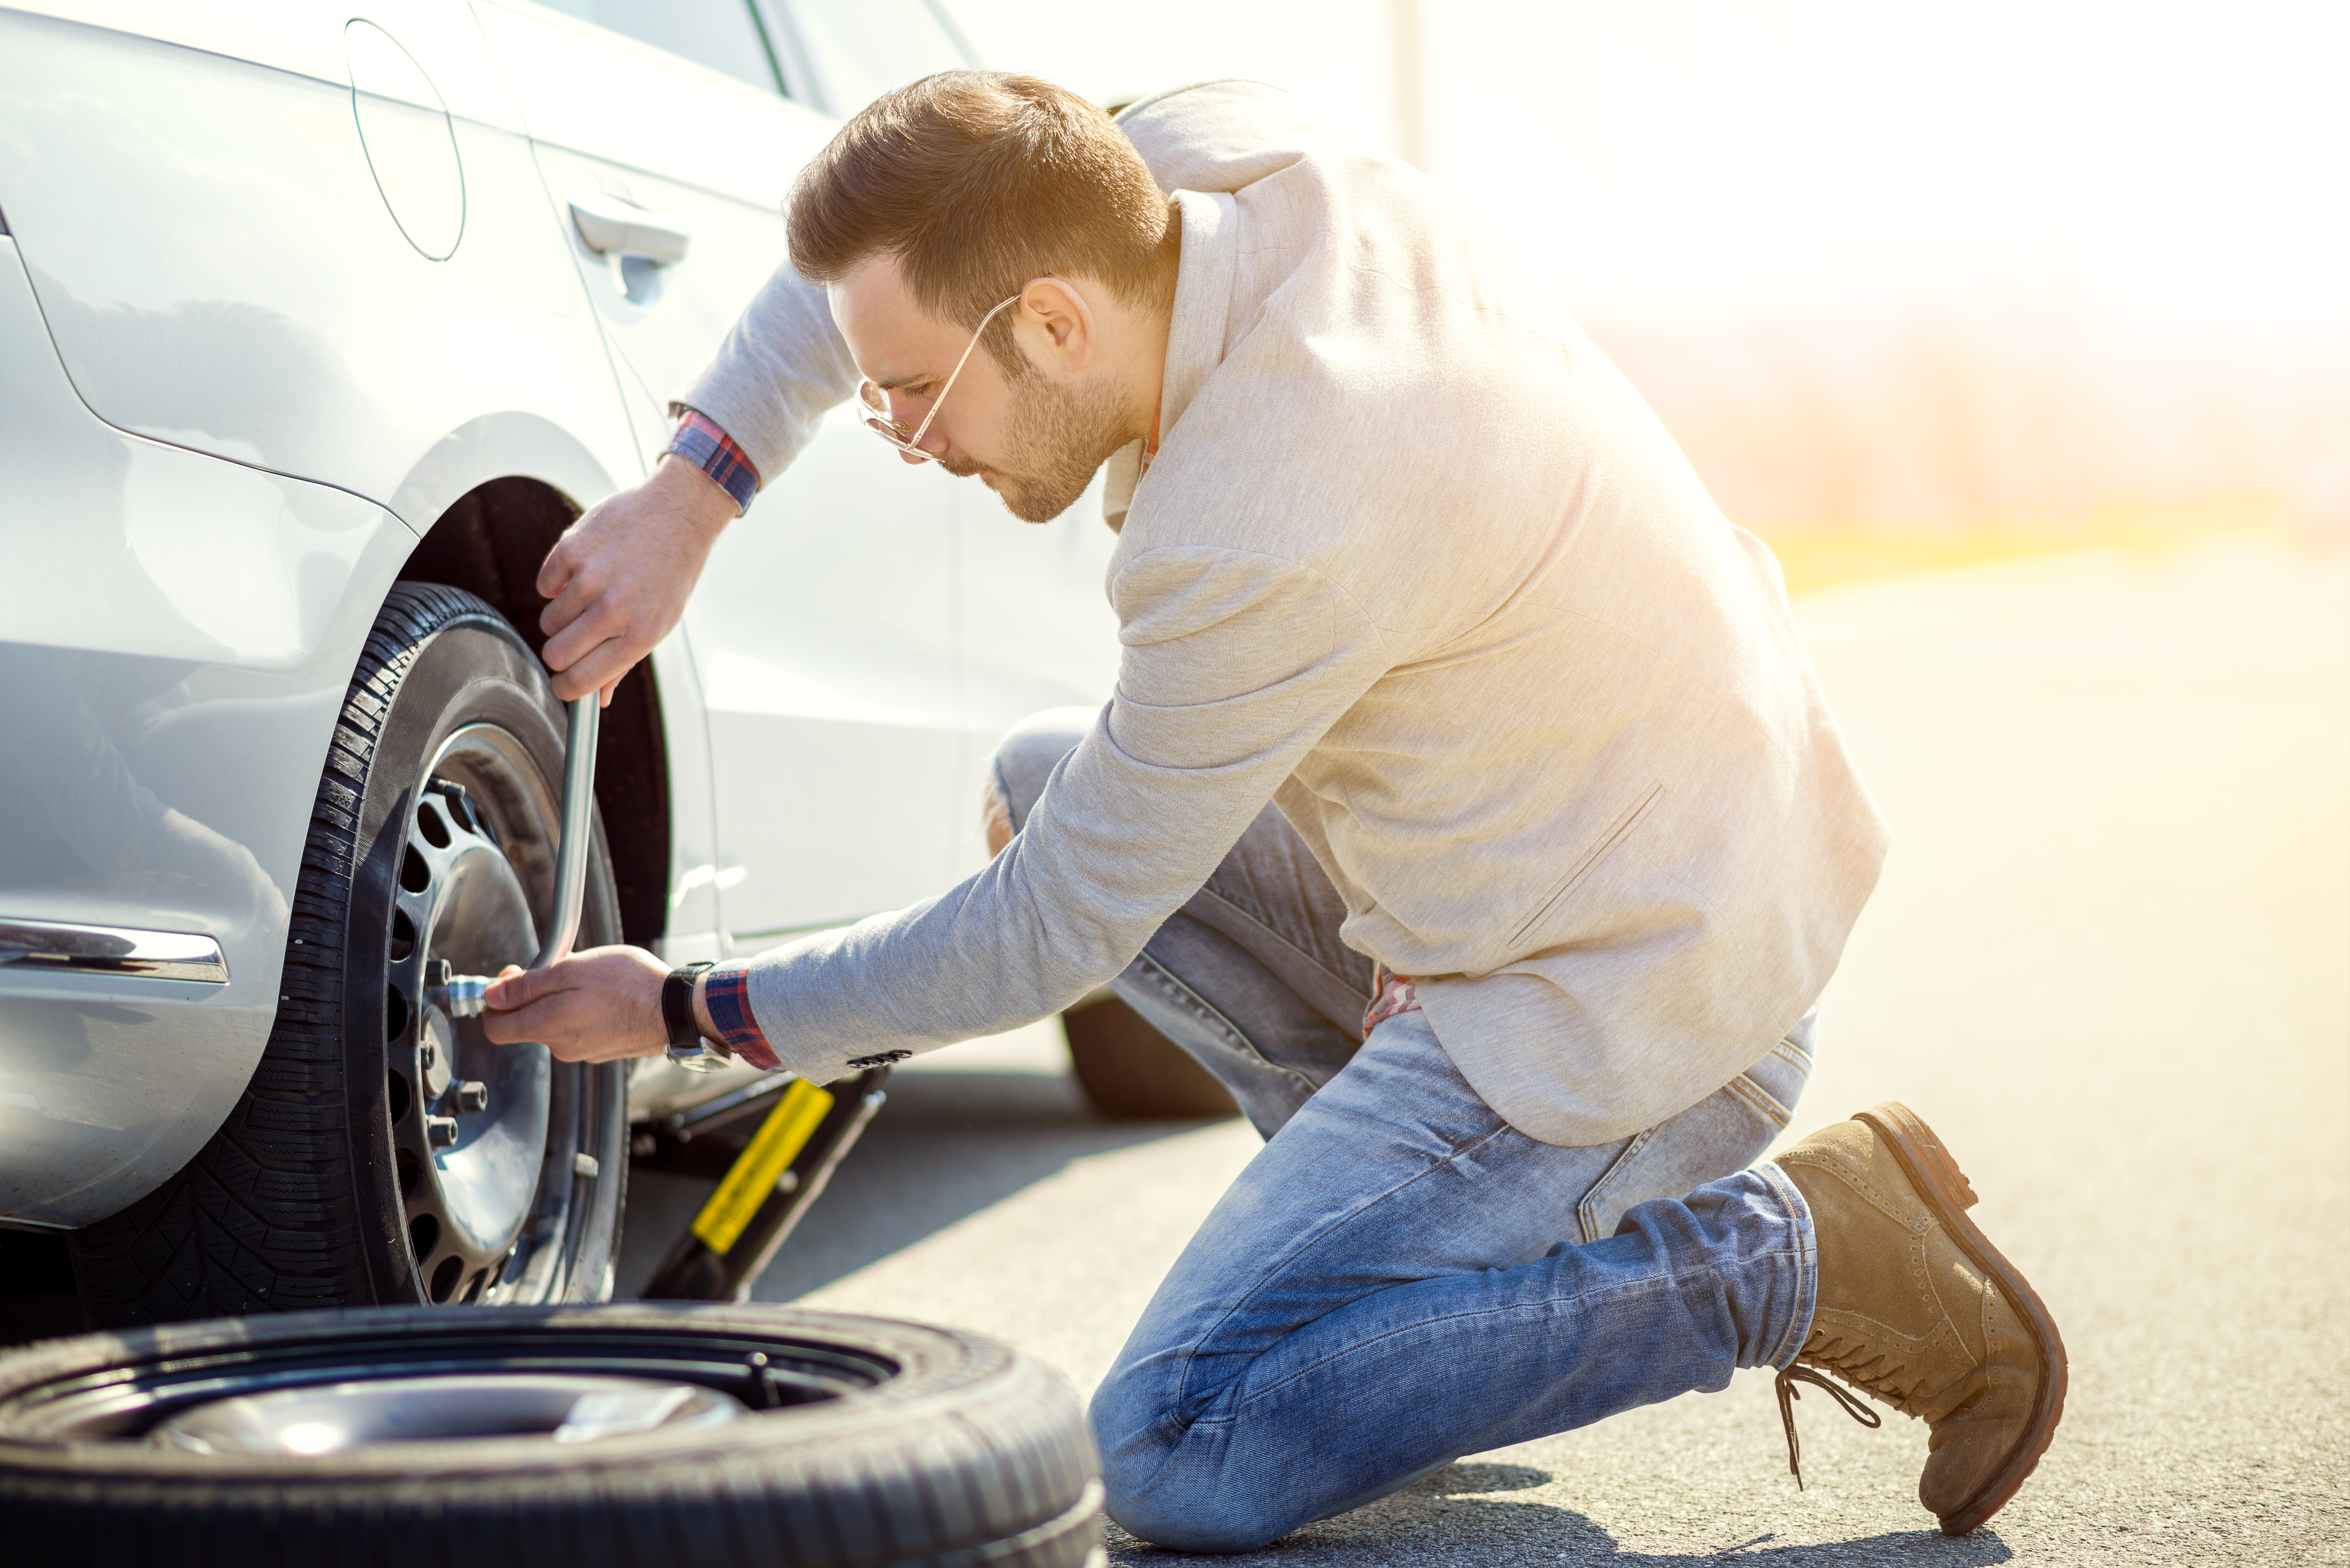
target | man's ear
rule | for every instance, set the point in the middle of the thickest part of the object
(1056, 327)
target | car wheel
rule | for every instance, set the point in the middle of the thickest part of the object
(384, 1153)
(635, 1433)
(1130, 1072)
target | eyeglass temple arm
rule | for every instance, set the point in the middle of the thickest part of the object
(920, 430)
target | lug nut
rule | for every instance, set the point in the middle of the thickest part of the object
(440, 1132)
(458, 995)
(473, 1095)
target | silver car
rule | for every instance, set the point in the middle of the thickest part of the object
(316, 330)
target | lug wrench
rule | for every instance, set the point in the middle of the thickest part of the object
(460, 995)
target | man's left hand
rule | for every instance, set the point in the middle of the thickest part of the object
(598, 1005)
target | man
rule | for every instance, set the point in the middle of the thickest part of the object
(1515, 971)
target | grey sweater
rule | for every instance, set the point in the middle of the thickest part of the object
(1415, 562)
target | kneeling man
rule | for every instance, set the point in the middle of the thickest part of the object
(1467, 804)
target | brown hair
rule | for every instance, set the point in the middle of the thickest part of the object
(978, 182)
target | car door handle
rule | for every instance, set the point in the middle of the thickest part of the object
(611, 226)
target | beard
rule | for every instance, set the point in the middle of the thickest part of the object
(1055, 440)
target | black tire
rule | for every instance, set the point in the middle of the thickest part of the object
(307, 1195)
(1130, 1072)
(906, 1446)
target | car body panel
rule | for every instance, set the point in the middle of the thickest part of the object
(307, 38)
(165, 740)
(243, 288)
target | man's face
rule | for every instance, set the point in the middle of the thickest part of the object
(1036, 438)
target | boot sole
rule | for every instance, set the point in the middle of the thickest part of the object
(1928, 1162)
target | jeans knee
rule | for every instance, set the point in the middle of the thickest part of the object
(1170, 1483)
(1177, 1507)
(1174, 1531)
(1027, 755)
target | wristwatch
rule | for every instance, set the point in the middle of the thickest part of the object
(687, 1047)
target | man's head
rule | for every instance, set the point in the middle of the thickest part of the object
(947, 197)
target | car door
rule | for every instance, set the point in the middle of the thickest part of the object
(823, 632)
(1037, 630)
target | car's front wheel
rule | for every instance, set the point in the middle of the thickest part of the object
(384, 1152)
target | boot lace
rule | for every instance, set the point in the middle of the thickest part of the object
(1788, 1394)
(1871, 1368)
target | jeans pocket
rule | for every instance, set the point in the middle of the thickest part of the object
(1774, 1084)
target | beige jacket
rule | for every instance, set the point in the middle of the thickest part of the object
(1417, 562)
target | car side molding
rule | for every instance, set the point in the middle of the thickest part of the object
(115, 951)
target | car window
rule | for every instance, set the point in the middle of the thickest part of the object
(720, 34)
(864, 48)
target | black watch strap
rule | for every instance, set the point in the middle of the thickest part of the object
(677, 1008)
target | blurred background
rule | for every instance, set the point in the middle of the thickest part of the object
(1912, 284)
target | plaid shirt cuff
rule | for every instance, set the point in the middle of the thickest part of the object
(701, 442)
(726, 992)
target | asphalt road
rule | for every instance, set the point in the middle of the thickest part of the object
(2110, 961)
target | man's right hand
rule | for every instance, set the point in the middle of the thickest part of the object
(620, 576)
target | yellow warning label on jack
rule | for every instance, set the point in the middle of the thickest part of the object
(781, 1137)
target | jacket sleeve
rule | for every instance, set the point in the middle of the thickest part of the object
(1234, 666)
(782, 366)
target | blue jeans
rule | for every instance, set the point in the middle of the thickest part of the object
(1401, 1277)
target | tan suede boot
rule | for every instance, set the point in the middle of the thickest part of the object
(1917, 1309)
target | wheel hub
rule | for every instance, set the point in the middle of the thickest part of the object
(340, 1416)
(468, 1116)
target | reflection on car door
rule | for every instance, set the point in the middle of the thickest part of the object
(823, 633)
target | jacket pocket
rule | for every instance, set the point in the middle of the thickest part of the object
(1618, 831)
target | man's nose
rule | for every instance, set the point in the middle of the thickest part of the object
(907, 414)
(934, 441)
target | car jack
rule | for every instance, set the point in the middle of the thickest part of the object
(809, 1129)
(806, 1130)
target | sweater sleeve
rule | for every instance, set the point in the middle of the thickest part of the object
(1234, 666)
(782, 366)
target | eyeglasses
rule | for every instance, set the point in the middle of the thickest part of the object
(877, 401)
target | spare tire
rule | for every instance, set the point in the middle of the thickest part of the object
(713, 1436)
